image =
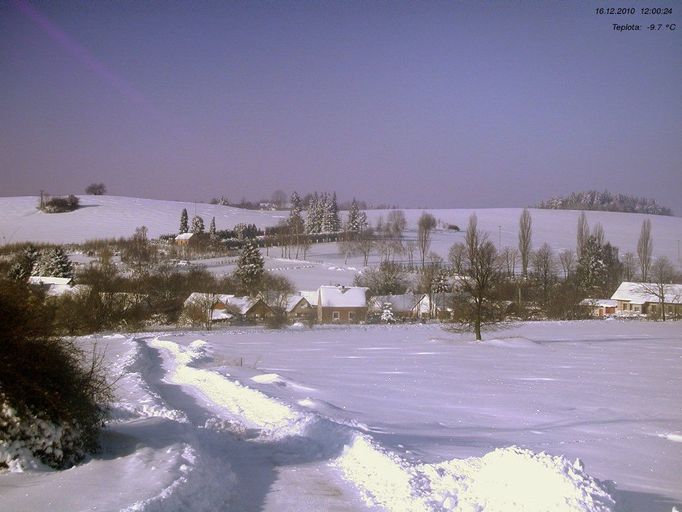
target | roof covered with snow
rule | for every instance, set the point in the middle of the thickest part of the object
(311, 297)
(343, 296)
(295, 300)
(641, 293)
(603, 303)
(399, 303)
(215, 297)
(49, 280)
(184, 236)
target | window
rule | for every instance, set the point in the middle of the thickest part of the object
(336, 316)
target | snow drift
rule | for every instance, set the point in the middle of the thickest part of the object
(505, 479)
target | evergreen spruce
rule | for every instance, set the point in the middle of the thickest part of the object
(211, 229)
(334, 221)
(592, 270)
(296, 223)
(184, 227)
(250, 267)
(197, 225)
(53, 263)
(353, 224)
(314, 218)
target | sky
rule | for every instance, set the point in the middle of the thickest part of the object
(418, 104)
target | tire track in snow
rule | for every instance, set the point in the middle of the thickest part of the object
(493, 482)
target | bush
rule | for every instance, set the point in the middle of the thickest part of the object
(60, 204)
(53, 397)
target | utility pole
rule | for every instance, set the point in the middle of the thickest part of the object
(499, 237)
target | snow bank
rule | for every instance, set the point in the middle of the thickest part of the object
(505, 479)
(516, 479)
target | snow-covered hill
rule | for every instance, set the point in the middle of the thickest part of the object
(111, 216)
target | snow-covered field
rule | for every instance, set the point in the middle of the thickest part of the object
(396, 418)
(111, 216)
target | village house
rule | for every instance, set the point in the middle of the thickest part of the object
(225, 307)
(645, 299)
(56, 286)
(403, 306)
(600, 307)
(438, 305)
(298, 308)
(341, 304)
(184, 239)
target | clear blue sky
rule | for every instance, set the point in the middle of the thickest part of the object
(439, 104)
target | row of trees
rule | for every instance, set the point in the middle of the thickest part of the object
(605, 201)
(548, 284)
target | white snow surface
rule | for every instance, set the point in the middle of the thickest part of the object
(403, 418)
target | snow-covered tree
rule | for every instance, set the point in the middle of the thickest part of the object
(197, 225)
(314, 218)
(353, 223)
(333, 221)
(296, 223)
(250, 267)
(54, 263)
(184, 226)
(22, 267)
(441, 282)
(592, 271)
(387, 314)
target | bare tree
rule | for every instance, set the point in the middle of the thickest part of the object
(629, 266)
(391, 235)
(644, 249)
(481, 273)
(425, 226)
(525, 240)
(662, 274)
(567, 261)
(96, 189)
(544, 269)
(582, 235)
(456, 256)
(278, 198)
(364, 243)
(508, 258)
(410, 246)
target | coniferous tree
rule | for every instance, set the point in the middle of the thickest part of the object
(334, 221)
(197, 225)
(250, 267)
(353, 223)
(211, 229)
(22, 267)
(184, 226)
(592, 272)
(296, 223)
(314, 218)
(53, 263)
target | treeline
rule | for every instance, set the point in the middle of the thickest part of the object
(484, 283)
(605, 201)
